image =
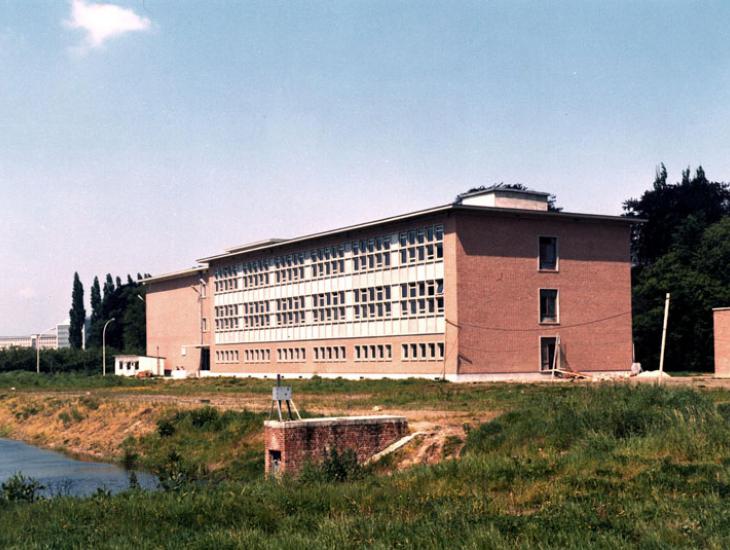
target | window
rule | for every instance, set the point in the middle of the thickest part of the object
(226, 279)
(328, 307)
(290, 311)
(257, 356)
(226, 317)
(204, 324)
(255, 273)
(226, 356)
(548, 305)
(372, 303)
(549, 253)
(330, 353)
(289, 268)
(329, 261)
(256, 315)
(291, 355)
(382, 352)
(422, 298)
(429, 351)
(371, 254)
(424, 244)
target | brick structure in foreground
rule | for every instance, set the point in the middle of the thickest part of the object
(290, 444)
(721, 319)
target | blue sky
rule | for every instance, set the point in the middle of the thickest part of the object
(142, 136)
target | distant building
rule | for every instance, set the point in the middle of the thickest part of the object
(57, 338)
(62, 334)
(492, 286)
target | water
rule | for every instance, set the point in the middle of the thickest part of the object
(63, 475)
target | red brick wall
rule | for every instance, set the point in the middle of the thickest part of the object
(721, 318)
(311, 439)
(173, 321)
(498, 293)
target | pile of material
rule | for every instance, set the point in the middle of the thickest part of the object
(652, 374)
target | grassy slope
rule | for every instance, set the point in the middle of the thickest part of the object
(608, 466)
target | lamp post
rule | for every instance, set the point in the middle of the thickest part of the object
(38, 348)
(103, 346)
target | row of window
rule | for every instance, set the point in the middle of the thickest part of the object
(257, 355)
(418, 245)
(426, 351)
(227, 356)
(417, 299)
(422, 298)
(374, 352)
(330, 353)
(291, 355)
(429, 351)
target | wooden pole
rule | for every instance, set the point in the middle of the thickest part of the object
(664, 338)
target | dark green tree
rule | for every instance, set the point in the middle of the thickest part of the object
(683, 249)
(666, 206)
(93, 338)
(134, 320)
(77, 314)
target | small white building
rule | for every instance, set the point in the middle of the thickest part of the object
(133, 365)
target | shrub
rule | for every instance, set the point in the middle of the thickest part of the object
(335, 467)
(19, 488)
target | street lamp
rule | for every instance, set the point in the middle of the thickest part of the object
(103, 346)
(38, 348)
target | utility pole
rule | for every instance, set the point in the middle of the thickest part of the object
(38, 353)
(103, 346)
(664, 338)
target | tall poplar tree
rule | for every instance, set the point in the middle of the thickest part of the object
(92, 339)
(77, 313)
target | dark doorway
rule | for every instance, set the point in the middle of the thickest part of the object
(274, 462)
(548, 345)
(205, 359)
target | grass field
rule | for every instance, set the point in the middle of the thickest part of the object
(606, 466)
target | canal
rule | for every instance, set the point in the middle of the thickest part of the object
(61, 475)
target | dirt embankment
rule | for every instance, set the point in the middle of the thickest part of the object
(87, 424)
(84, 425)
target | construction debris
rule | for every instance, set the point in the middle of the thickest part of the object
(652, 374)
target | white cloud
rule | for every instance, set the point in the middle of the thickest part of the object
(104, 21)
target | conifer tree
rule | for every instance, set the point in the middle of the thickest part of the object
(77, 314)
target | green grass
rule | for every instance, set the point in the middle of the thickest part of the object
(31, 381)
(599, 466)
(202, 444)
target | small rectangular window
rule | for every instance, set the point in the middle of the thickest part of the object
(548, 305)
(549, 253)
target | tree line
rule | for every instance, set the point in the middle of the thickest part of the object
(683, 248)
(118, 300)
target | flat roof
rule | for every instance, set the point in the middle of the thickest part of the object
(174, 275)
(721, 308)
(516, 212)
(256, 244)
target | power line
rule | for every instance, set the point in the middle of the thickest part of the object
(539, 329)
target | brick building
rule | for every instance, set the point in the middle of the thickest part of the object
(721, 322)
(291, 444)
(494, 285)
